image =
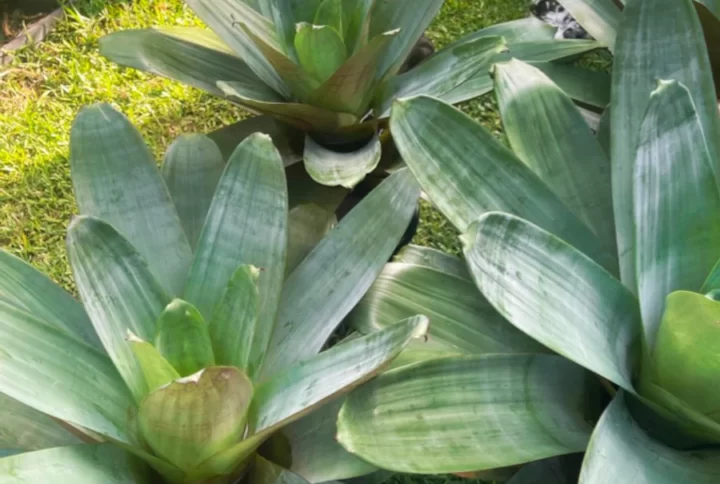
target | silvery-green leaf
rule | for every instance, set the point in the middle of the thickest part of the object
(24, 428)
(557, 295)
(677, 204)
(117, 180)
(661, 39)
(246, 224)
(118, 292)
(192, 168)
(308, 224)
(491, 410)
(183, 339)
(333, 168)
(323, 289)
(320, 50)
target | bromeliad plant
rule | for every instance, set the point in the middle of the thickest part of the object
(330, 70)
(191, 348)
(541, 224)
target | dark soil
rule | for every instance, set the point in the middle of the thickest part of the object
(17, 14)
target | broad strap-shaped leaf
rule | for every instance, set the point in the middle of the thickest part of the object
(620, 451)
(320, 50)
(191, 169)
(297, 391)
(157, 369)
(462, 319)
(77, 464)
(357, 23)
(600, 18)
(235, 319)
(118, 292)
(412, 17)
(25, 429)
(604, 131)
(330, 12)
(683, 360)
(547, 132)
(662, 39)
(224, 17)
(191, 55)
(466, 172)
(31, 290)
(589, 87)
(302, 190)
(300, 82)
(332, 168)
(316, 454)
(117, 180)
(302, 116)
(677, 204)
(265, 472)
(48, 370)
(286, 139)
(336, 274)
(433, 259)
(491, 410)
(539, 51)
(246, 224)
(182, 337)
(308, 224)
(442, 72)
(556, 295)
(195, 417)
(351, 87)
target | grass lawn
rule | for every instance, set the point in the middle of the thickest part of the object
(44, 88)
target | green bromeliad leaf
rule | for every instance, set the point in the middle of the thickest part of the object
(467, 172)
(556, 295)
(600, 18)
(548, 133)
(506, 410)
(157, 370)
(308, 224)
(320, 50)
(183, 339)
(662, 39)
(620, 451)
(192, 169)
(333, 168)
(265, 472)
(195, 417)
(77, 464)
(677, 204)
(117, 180)
(118, 292)
(684, 359)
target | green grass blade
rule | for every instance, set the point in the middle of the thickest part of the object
(677, 203)
(118, 291)
(442, 72)
(492, 410)
(559, 296)
(466, 172)
(192, 168)
(661, 39)
(548, 133)
(183, 338)
(77, 464)
(31, 290)
(235, 319)
(51, 372)
(619, 448)
(191, 55)
(332, 168)
(600, 18)
(196, 417)
(117, 180)
(246, 224)
(316, 300)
